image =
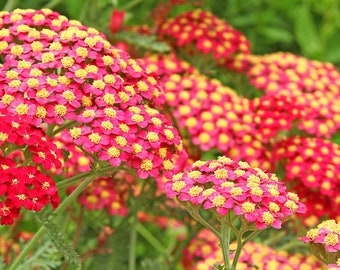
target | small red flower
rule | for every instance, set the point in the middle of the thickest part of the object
(116, 21)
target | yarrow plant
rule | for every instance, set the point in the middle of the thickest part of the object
(241, 200)
(63, 82)
(86, 129)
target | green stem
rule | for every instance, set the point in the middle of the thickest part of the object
(69, 181)
(225, 242)
(10, 5)
(76, 178)
(194, 212)
(150, 238)
(42, 229)
(133, 230)
(133, 242)
(27, 248)
(62, 127)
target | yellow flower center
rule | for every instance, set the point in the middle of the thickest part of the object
(68, 95)
(67, 61)
(195, 191)
(22, 109)
(107, 125)
(113, 152)
(95, 138)
(137, 148)
(121, 141)
(268, 218)
(60, 109)
(47, 57)
(219, 201)
(331, 239)
(137, 118)
(221, 173)
(194, 174)
(142, 86)
(178, 185)
(152, 136)
(109, 99)
(7, 99)
(146, 165)
(3, 136)
(236, 191)
(75, 132)
(110, 112)
(248, 207)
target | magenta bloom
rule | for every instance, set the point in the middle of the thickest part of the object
(224, 185)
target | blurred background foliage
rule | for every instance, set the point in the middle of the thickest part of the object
(306, 27)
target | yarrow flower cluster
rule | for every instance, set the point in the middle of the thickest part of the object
(60, 72)
(206, 32)
(25, 186)
(214, 116)
(272, 117)
(312, 165)
(325, 241)
(315, 85)
(204, 251)
(224, 185)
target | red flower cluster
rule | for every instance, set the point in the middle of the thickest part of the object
(204, 251)
(275, 115)
(57, 70)
(107, 193)
(23, 187)
(315, 85)
(312, 165)
(223, 185)
(206, 32)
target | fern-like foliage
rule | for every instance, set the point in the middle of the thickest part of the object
(60, 242)
(46, 257)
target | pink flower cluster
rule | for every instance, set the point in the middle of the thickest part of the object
(327, 233)
(224, 185)
(206, 32)
(60, 72)
(204, 251)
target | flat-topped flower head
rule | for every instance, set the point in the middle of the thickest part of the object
(204, 251)
(325, 241)
(327, 233)
(57, 70)
(224, 185)
(214, 115)
(208, 33)
(312, 165)
(315, 86)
